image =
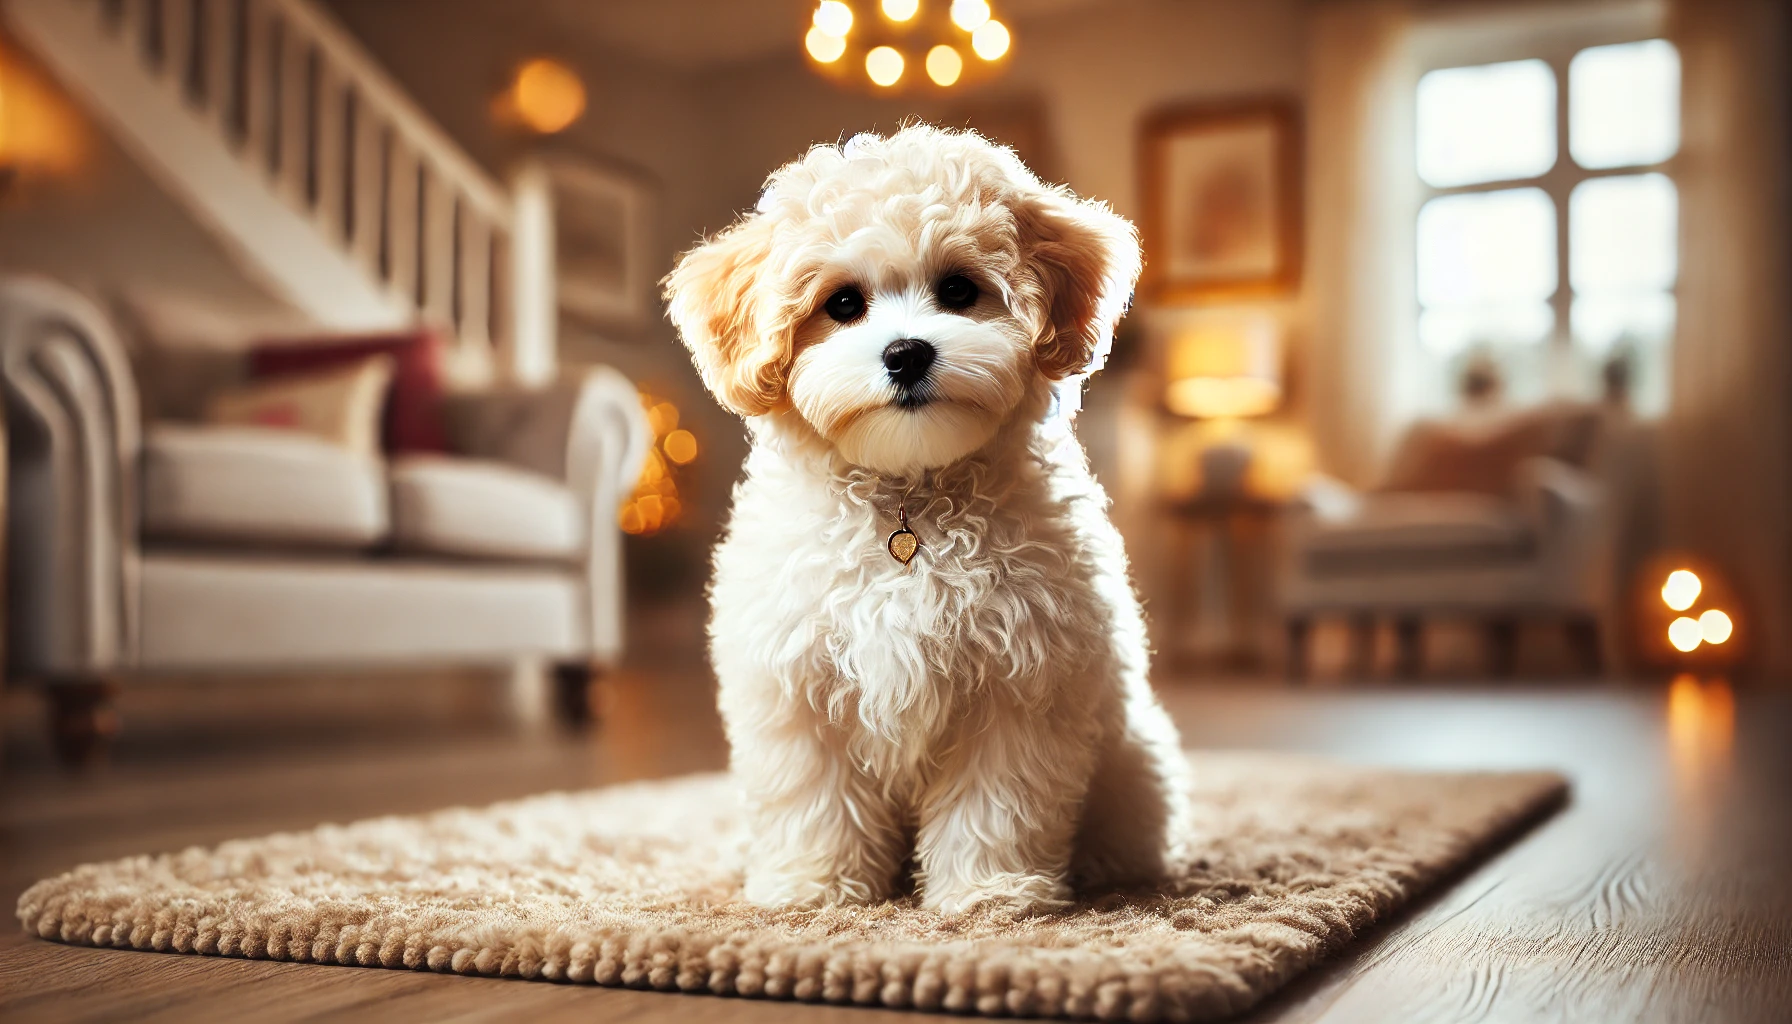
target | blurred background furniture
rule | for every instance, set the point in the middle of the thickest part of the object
(139, 549)
(1497, 521)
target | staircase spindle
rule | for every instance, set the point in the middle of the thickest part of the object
(438, 250)
(474, 316)
(366, 186)
(330, 150)
(402, 257)
(218, 71)
(295, 119)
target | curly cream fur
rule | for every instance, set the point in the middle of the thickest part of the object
(985, 711)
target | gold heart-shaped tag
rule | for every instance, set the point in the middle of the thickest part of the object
(903, 544)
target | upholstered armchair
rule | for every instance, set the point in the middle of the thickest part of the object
(135, 550)
(1498, 524)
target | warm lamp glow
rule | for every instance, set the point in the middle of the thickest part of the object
(901, 10)
(1715, 627)
(944, 65)
(1681, 589)
(1225, 368)
(990, 40)
(833, 17)
(884, 65)
(823, 47)
(1685, 634)
(970, 14)
(680, 446)
(548, 95)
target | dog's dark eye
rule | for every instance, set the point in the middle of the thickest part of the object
(957, 292)
(846, 305)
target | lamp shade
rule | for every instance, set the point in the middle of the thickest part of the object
(1225, 368)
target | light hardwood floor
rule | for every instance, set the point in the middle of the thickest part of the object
(1662, 892)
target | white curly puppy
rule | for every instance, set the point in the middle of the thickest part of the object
(905, 323)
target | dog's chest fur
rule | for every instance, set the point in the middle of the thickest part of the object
(893, 657)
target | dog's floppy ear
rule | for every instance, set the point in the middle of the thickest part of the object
(1086, 259)
(715, 298)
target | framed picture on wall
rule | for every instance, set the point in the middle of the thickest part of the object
(1222, 211)
(600, 241)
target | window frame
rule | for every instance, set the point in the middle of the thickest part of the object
(1554, 38)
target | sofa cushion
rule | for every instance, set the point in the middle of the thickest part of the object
(1419, 532)
(475, 508)
(259, 485)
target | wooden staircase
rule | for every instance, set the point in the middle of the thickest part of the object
(282, 136)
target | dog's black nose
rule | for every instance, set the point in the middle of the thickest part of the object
(907, 360)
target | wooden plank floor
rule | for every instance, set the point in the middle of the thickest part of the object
(1662, 892)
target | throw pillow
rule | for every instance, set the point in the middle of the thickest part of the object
(339, 405)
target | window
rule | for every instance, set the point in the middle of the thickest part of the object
(1548, 236)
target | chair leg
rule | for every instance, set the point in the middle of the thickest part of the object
(1300, 647)
(83, 720)
(575, 696)
(1362, 645)
(1409, 635)
(1502, 646)
(1583, 642)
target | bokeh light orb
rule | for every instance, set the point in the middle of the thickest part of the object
(901, 10)
(1684, 633)
(944, 65)
(548, 96)
(1715, 626)
(1681, 589)
(823, 47)
(884, 65)
(833, 17)
(990, 40)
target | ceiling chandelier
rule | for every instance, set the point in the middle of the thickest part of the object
(949, 40)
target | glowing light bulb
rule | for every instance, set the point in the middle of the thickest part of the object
(1715, 627)
(548, 95)
(1681, 589)
(823, 47)
(833, 17)
(990, 40)
(944, 65)
(884, 65)
(901, 10)
(969, 14)
(1685, 634)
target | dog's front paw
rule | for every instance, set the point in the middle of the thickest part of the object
(1017, 895)
(780, 890)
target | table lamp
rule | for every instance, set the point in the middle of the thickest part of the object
(1228, 368)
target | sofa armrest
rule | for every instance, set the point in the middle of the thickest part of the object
(588, 430)
(1555, 496)
(73, 443)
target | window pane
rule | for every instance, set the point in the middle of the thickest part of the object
(1602, 320)
(1622, 234)
(1492, 122)
(1487, 248)
(1452, 329)
(1624, 104)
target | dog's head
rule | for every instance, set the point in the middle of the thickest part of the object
(904, 295)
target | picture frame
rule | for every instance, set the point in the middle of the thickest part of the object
(601, 241)
(1221, 188)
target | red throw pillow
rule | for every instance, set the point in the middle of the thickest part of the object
(413, 408)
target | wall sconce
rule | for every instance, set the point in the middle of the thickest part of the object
(1225, 368)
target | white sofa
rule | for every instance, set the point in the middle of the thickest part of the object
(1532, 541)
(139, 550)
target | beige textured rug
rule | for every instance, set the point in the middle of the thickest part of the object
(638, 886)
